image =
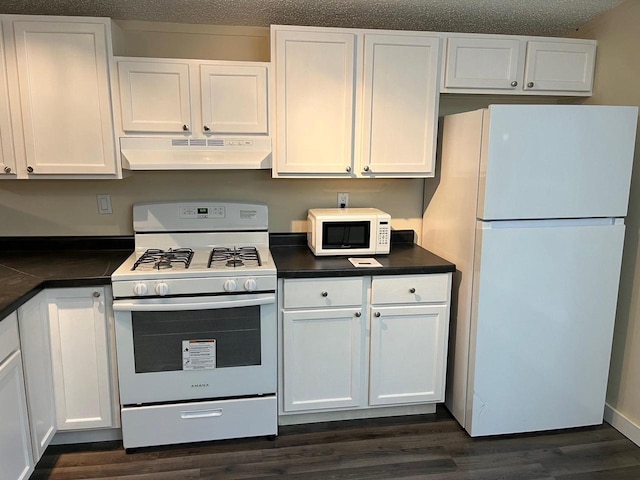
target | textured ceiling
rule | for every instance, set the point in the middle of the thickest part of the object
(518, 17)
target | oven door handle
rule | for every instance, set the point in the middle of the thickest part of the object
(174, 304)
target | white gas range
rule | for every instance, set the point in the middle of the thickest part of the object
(196, 324)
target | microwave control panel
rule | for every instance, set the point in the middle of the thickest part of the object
(384, 231)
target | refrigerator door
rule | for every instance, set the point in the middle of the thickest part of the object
(545, 296)
(556, 161)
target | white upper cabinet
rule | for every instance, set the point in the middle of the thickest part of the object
(560, 66)
(484, 63)
(164, 96)
(60, 95)
(7, 159)
(234, 98)
(502, 64)
(154, 96)
(400, 104)
(315, 79)
(354, 103)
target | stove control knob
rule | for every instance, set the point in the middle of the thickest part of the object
(230, 286)
(139, 289)
(250, 285)
(162, 289)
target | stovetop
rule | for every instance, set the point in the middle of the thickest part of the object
(197, 248)
(202, 262)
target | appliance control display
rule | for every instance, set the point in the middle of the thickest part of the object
(202, 212)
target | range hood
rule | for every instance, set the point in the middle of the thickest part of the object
(213, 153)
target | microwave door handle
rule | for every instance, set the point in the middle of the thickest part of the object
(173, 305)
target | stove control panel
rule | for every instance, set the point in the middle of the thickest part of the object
(209, 211)
(193, 286)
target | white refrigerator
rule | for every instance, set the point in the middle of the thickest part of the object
(529, 203)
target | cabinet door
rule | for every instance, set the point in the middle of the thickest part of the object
(315, 79)
(323, 351)
(154, 96)
(80, 357)
(559, 66)
(400, 111)
(408, 354)
(483, 63)
(234, 99)
(15, 443)
(7, 160)
(64, 92)
(35, 341)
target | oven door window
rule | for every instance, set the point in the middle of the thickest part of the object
(158, 337)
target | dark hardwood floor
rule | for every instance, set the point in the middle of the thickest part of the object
(431, 447)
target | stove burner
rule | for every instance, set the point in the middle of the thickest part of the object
(162, 260)
(225, 257)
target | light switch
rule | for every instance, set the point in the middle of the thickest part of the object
(104, 204)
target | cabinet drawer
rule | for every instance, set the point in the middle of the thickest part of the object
(410, 289)
(9, 340)
(327, 292)
(199, 421)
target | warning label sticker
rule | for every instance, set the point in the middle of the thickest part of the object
(198, 354)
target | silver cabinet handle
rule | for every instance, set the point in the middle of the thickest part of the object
(412, 290)
(30, 169)
(377, 314)
(7, 169)
(530, 84)
(207, 128)
(514, 84)
(358, 314)
(366, 168)
(96, 294)
(185, 128)
(324, 294)
(348, 169)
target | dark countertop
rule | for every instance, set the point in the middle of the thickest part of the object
(29, 265)
(293, 259)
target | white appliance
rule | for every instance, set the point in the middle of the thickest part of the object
(348, 231)
(195, 317)
(530, 206)
(228, 152)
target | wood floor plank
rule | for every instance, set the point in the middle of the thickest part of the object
(425, 447)
(623, 473)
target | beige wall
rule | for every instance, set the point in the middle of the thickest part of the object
(69, 207)
(616, 83)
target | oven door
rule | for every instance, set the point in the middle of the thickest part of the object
(186, 348)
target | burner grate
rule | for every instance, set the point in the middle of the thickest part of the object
(164, 259)
(226, 257)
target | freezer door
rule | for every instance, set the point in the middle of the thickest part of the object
(542, 324)
(556, 161)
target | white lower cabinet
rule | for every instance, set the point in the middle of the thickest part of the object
(323, 351)
(36, 358)
(81, 322)
(363, 342)
(16, 460)
(408, 346)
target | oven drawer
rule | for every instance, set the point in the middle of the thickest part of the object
(395, 289)
(199, 421)
(323, 292)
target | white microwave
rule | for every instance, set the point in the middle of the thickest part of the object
(348, 231)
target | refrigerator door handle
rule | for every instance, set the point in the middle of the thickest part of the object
(569, 222)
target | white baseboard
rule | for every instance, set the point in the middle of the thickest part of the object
(624, 425)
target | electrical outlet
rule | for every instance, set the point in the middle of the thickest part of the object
(343, 200)
(104, 204)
